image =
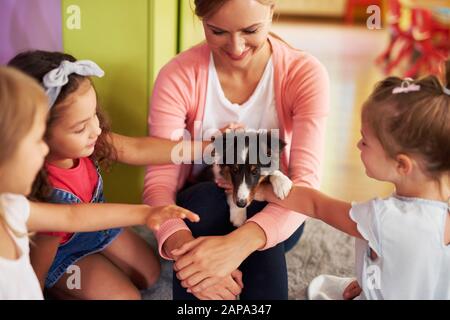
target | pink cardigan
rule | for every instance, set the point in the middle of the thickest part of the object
(302, 100)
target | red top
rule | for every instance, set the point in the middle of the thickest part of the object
(80, 180)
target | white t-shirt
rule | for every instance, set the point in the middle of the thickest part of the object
(17, 278)
(407, 234)
(258, 112)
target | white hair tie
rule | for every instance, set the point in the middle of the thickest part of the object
(406, 86)
(57, 78)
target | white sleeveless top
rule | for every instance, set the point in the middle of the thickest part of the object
(17, 278)
(258, 112)
(407, 234)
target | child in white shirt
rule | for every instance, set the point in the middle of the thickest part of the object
(403, 241)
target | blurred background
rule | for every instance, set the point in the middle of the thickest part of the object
(359, 41)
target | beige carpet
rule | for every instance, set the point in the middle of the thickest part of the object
(321, 250)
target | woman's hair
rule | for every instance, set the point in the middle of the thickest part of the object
(206, 8)
(37, 64)
(20, 98)
(416, 122)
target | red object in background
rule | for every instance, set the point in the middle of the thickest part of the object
(398, 37)
(425, 44)
(352, 4)
(431, 40)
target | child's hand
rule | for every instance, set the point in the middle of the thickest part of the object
(159, 215)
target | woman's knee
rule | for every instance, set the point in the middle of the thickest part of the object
(201, 195)
(265, 275)
(209, 202)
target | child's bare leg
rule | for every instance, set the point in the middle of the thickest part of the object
(352, 291)
(135, 258)
(42, 253)
(100, 279)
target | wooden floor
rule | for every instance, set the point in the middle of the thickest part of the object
(348, 53)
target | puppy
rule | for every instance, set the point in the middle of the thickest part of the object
(246, 159)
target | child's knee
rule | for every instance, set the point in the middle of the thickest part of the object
(148, 273)
(151, 277)
(128, 293)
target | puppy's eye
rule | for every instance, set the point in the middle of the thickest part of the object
(255, 172)
(235, 169)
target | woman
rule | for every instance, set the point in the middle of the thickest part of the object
(242, 74)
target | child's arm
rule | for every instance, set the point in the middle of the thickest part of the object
(140, 151)
(92, 217)
(315, 204)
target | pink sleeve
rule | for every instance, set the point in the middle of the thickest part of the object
(308, 94)
(167, 119)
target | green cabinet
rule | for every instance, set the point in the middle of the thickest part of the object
(131, 41)
(191, 29)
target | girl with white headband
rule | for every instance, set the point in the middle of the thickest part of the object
(23, 115)
(115, 263)
(402, 241)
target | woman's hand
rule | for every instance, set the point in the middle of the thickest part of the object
(224, 184)
(159, 215)
(226, 289)
(206, 261)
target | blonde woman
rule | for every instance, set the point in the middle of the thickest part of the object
(242, 74)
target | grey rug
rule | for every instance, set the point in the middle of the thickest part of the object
(321, 250)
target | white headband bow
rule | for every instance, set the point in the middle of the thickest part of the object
(407, 85)
(57, 78)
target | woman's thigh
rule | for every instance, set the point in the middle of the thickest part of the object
(208, 201)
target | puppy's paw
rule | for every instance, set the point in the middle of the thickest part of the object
(281, 184)
(238, 216)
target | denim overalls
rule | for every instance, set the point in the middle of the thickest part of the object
(82, 243)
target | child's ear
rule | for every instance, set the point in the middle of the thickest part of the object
(404, 164)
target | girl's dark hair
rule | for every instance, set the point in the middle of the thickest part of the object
(415, 123)
(37, 64)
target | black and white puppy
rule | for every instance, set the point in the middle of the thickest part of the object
(246, 159)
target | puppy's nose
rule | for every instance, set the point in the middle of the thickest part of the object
(241, 203)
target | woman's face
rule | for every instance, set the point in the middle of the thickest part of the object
(238, 31)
